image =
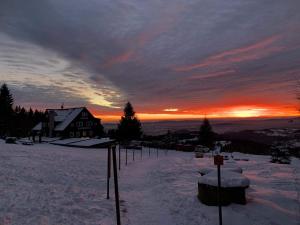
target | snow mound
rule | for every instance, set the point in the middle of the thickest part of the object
(228, 179)
(206, 170)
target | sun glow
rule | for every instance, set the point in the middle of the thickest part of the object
(225, 112)
(247, 112)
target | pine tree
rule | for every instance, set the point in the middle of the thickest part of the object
(130, 127)
(280, 153)
(206, 134)
(6, 110)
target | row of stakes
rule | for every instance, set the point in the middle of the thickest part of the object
(111, 150)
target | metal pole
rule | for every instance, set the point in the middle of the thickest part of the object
(219, 195)
(119, 158)
(116, 186)
(108, 171)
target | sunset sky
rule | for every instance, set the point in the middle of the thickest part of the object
(172, 59)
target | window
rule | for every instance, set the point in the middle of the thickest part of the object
(71, 134)
(84, 133)
(89, 123)
(78, 134)
(79, 124)
(84, 114)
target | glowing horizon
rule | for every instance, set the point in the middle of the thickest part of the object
(236, 112)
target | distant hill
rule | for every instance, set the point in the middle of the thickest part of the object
(219, 125)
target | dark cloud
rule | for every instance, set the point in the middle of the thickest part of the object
(161, 53)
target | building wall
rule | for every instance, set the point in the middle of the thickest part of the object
(84, 125)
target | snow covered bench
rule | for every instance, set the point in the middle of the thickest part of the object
(233, 187)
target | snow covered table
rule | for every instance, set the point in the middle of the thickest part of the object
(233, 187)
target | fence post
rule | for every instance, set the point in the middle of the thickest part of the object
(149, 151)
(108, 171)
(133, 154)
(116, 185)
(157, 152)
(218, 160)
(119, 157)
(126, 156)
(142, 153)
(219, 194)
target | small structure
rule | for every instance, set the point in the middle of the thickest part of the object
(233, 187)
(200, 150)
(10, 140)
(85, 142)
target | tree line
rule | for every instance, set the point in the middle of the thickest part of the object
(16, 121)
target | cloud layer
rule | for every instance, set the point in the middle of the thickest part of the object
(161, 54)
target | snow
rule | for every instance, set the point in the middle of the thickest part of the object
(37, 127)
(228, 179)
(206, 170)
(68, 141)
(91, 142)
(48, 184)
(66, 116)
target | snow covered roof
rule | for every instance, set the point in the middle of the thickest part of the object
(206, 170)
(92, 142)
(228, 179)
(37, 127)
(65, 116)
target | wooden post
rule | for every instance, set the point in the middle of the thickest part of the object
(219, 194)
(126, 156)
(116, 185)
(157, 152)
(119, 157)
(142, 153)
(133, 154)
(108, 171)
(218, 160)
(149, 151)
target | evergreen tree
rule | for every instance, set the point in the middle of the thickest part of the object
(280, 153)
(130, 127)
(6, 110)
(206, 134)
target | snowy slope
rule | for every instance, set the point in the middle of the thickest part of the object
(49, 184)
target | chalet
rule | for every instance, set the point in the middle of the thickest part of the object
(69, 123)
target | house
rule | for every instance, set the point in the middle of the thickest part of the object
(69, 123)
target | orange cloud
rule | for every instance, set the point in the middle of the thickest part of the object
(124, 57)
(210, 75)
(250, 52)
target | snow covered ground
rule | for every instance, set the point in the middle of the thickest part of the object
(47, 184)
